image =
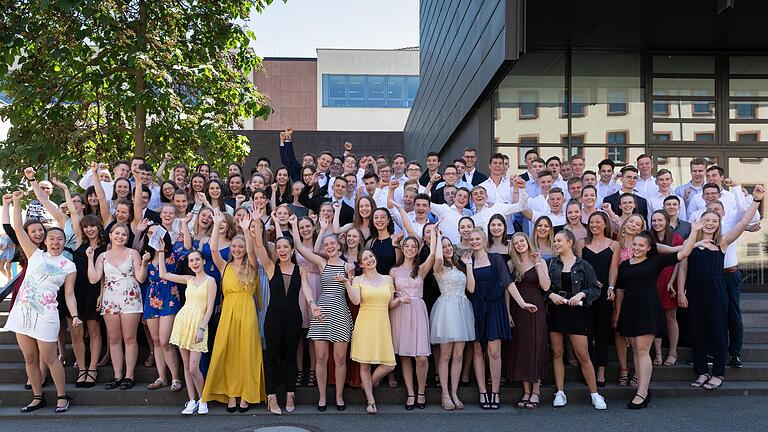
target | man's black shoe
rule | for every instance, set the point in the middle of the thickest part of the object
(735, 362)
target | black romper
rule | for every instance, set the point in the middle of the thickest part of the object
(282, 330)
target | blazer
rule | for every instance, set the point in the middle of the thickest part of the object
(313, 203)
(641, 205)
(477, 178)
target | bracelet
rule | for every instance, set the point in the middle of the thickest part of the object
(757, 201)
(610, 287)
(75, 316)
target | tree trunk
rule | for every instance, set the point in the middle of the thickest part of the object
(140, 125)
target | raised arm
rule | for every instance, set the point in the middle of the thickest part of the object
(140, 265)
(161, 169)
(218, 260)
(25, 242)
(324, 227)
(74, 214)
(467, 260)
(405, 223)
(260, 247)
(438, 266)
(306, 252)
(106, 216)
(41, 196)
(426, 266)
(353, 288)
(165, 274)
(746, 219)
(690, 242)
(137, 207)
(245, 224)
(95, 267)
(288, 156)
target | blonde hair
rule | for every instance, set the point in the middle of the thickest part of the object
(550, 237)
(517, 260)
(717, 235)
(247, 274)
(623, 228)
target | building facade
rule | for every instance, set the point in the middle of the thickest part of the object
(603, 79)
(290, 85)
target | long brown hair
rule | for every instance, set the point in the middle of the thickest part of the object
(667, 229)
(401, 258)
(606, 231)
(517, 261)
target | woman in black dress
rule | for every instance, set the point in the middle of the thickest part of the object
(601, 252)
(574, 288)
(528, 353)
(383, 242)
(705, 292)
(638, 306)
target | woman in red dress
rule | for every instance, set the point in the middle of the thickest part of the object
(666, 286)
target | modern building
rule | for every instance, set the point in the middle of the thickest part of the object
(599, 78)
(340, 90)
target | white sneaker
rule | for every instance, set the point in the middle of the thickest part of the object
(202, 407)
(598, 401)
(189, 408)
(560, 400)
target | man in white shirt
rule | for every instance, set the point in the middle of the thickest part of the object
(656, 200)
(452, 214)
(698, 179)
(714, 175)
(145, 176)
(496, 187)
(532, 185)
(553, 165)
(483, 212)
(554, 211)
(121, 169)
(530, 156)
(577, 165)
(461, 167)
(646, 182)
(398, 168)
(414, 173)
(607, 185)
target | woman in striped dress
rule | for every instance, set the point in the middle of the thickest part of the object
(334, 325)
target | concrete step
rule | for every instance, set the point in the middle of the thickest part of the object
(755, 335)
(15, 395)
(755, 320)
(754, 302)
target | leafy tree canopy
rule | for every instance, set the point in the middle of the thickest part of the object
(105, 79)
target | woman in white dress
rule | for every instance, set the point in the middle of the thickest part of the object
(452, 319)
(35, 317)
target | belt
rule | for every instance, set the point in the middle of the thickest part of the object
(733, 269)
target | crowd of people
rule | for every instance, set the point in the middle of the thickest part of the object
(356, 269)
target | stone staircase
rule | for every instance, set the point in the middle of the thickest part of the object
(752, 379)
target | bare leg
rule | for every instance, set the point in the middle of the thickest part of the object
(129, 324)
(154, 331)
(673, 330)
(94, 340)
(78, 346)
(48, 353)
(115, 340)
(556, 342)
(340, 359)
(422, 367)
(581, 350)
(494, 359)
(169, 352)
(479, 365)
(457, 357)
(321, 368)
(644, 367)
(443, 364)
(29, 348)
(406, 363)
(467, 365)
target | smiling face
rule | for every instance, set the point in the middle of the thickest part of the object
(198, 183)
(205, 218)
(496, 228)
(324, 162)
(561, 243)
(364, 208)
(672, 207)
(167, 214)
(664, 181)
(640, 246)
(555, 201)
(589, 179)
(479, 197)
(257, 182)
(627, 205)
(461, 199)
(353, 238)
(380, 219)
(236, 185)
(331, 245)
(119, 235)
(122, 213)
(542, 229)
(237, 248)
(410, 248)
(326, 212)
(214, 190)
(306, 229)
(658, 222)
(122, 188)
(168, 191)
(368, 260)
(645, 166)
(520, 243)
(281, 177)
(710, 223)
(283, 249)
(634, 225)
(465, 228)
(447, 248)
(573, 213)
(260, 200)
(596, 224)
(91, 231)
(476, 241)
(589, 197)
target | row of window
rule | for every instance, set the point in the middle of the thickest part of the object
(369, 91)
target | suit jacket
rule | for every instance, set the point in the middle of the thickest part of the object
(346, 216)
(477, 178)
(641, 205)
(438, 196)
(153, 216)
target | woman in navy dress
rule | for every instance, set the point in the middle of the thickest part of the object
(706, 296)
(492, 318)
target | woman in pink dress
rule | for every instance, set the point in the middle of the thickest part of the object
(410, 320)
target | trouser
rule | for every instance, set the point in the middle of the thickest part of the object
(708, 306)
(735, 323)
(601, 330)
(282, 330)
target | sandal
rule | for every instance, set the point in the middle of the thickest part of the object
(176, 385)
(82, 375)
(127, 384)
(371, 409)
(457, 402)
(657, 360)
(700, 382)
(113, 383)
(485, 403)
(710, 386)
(533, 404)
(64, 408)
(89, 376)
(524, 401)
(495, 401)
(158, 384)
(299, 379)
(409, 407)
(623, 377)
(671, 360)
(275, 411)
(633, 382)
(150, 361)
(447, 403)
(30, 407)
(312, 379)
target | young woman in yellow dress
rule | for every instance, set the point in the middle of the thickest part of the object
(190, 328)
(237, 368)
(372, 336)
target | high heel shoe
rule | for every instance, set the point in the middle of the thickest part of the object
(82, 374)
(494, 401)
(447, 403)
(30, 407)
(408, 406)
(243, 409)
(633, 406)
(231, 409)
(322, 408)
(65, 408)
(292, 398)
(341, 407)
(421, 405)
(273, 411)
(485, 403)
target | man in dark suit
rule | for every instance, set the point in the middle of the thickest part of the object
(628, 181)
(530, 156)
(472, 175)
(315, 201)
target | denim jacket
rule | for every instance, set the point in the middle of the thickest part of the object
(583, 279)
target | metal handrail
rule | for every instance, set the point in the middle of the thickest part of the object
(8, 288)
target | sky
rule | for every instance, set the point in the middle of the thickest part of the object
(297, 28)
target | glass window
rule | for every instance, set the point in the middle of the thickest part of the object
(748, 87)
(607, 95)
(748, 132)
(526, 143)
(542, 73)
(752, 246)
(377, 91)
(749, 110)
(748, 136)
(396, 92)
(683, 87)
(748, 65)
(662, 136)
(682, 131)
(684, 64)
(661, 109)
(412, 83)
(704, 136)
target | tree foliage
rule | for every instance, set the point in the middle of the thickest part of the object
(104, 79)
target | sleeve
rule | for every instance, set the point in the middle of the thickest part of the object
(288, 158)
(11, 234)
(504, 275)
(438, 209)
(69, 267)
(590, 285)
(87, 180)
(665, 260)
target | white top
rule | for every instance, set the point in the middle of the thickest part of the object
(695, 190)
(451, 216)
(646, 187)
(656, 202)
(35, 310)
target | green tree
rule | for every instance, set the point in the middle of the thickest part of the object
(104, 79)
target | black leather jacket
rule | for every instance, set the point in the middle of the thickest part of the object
(583, 279)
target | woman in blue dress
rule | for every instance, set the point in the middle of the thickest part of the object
(492, 318)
